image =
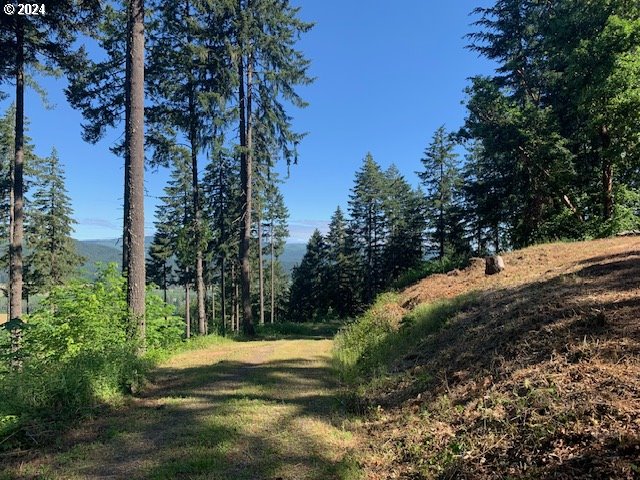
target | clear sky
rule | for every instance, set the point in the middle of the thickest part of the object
(387, 75)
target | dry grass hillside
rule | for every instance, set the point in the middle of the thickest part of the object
(537, 375)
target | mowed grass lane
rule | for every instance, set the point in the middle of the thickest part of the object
(242, 410)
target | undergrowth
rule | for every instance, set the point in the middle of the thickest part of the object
(78, 352)
(384, 334)
(430, 267)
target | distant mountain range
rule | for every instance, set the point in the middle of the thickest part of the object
(110, 250)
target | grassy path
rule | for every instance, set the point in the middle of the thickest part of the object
(246, 410)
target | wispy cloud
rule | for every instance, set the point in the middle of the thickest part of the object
(99, 222)
(301, 230)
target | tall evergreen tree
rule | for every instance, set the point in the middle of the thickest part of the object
(307, 296)
(268, 70)
(189, 79)
(368, 226)
(43, 42)
(276, 231)
(159, 268)
(173, 221)
(342, 276)
(52, 257)
(404, 213)
(133, 239)
(441, 177)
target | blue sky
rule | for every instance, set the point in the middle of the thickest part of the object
(387, 75)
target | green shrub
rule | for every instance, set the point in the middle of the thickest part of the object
(79, 350)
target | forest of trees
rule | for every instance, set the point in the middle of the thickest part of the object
(549, 150)
(209, 100)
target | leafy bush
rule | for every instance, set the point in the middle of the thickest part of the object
(79, 350)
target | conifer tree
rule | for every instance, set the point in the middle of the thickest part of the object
(406, 224)
(189, 83)
(7, 157)
(43, 42)
(342, 284)
(52, 257)
(159, 268)
(268, 70)
(222, 212)
(173, 220)
(276, 232)
(308, 299)
(368, 227)
(441, 178)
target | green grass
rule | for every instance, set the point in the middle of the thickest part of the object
(366, 349)
(317, 330)
(429, 267)
(241, 410)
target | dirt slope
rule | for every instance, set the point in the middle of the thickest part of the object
(244, 410)
(537, 377)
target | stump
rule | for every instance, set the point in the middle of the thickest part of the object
(493, 265)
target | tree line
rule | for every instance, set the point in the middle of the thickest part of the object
(549, 150)
(209, 100)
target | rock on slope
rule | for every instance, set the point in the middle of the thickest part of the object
(537, 377)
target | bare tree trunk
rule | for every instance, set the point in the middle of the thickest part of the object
(260, 271)
(607, 190)
(15, 248)
(213, 306)
(273, 268)
(246, 170)
(223, 303)
(197, 214)
(11, 226)
(187, 310)
(607, 175)
(134, 216)
(234, 297)
(223, 239)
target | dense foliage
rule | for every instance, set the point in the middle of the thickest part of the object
(342, 273)
(79, 350)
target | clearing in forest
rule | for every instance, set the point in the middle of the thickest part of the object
(241, 410)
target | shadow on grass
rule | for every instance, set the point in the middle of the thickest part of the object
(231, 420)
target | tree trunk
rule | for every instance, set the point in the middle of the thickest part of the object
(187, 310)
(15, 248)
(200, 289)
(607, 189)
(213, 306)
(441, 219)
(246, 170)
(273, 268)
(223, 291)
(134, 189)
(223, 240)
(164, 284)
(197, 215)
(607, 174)
(260, 271)
(234, 298)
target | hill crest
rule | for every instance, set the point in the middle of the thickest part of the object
(536, 373)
